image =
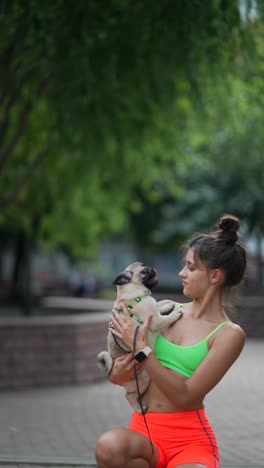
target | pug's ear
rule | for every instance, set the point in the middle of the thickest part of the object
(123, 278)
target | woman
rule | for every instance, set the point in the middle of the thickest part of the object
(187, 362)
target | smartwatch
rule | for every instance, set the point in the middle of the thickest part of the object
(143, 354)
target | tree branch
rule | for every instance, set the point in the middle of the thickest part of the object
(11, 197)
(8, 55)
(23, 120)
(12, 99)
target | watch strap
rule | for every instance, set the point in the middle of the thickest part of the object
(143, 354)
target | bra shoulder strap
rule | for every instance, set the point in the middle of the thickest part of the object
(215, 330)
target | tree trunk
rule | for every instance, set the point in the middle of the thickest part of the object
(21, 277)
(260, 275)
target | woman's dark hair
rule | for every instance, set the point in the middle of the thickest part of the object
(222, 249)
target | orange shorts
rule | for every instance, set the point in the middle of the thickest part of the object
(179, 437)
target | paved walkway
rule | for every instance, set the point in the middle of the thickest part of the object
(64, 423)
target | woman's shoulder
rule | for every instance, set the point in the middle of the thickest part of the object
(233, 333)
(234, 328)
(228, 342)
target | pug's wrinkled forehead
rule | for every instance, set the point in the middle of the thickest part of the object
(135, 267)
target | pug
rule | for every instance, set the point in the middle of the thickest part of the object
(134, 285)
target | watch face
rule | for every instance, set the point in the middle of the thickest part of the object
(140, 356)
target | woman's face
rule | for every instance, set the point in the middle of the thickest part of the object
(195, 277)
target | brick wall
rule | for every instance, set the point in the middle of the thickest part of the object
(51, 351)
(45, 351)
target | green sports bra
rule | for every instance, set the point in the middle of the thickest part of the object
(183, 359)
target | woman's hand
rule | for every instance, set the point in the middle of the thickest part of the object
(124, 369)
(125, 327)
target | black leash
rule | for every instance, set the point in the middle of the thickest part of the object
(139, 398)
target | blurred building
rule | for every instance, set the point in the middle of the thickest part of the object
(55, 274)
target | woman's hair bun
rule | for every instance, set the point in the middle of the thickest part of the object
(229, 225)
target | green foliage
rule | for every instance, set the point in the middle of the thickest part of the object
(109, 107)
(225, 171)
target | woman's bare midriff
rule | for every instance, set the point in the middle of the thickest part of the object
(158, 403)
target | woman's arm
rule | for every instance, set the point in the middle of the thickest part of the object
(182, 391)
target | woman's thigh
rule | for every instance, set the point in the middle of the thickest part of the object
(125, 447)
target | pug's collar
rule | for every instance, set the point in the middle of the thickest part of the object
(130, 307)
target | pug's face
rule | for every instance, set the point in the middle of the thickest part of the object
(138, 273)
